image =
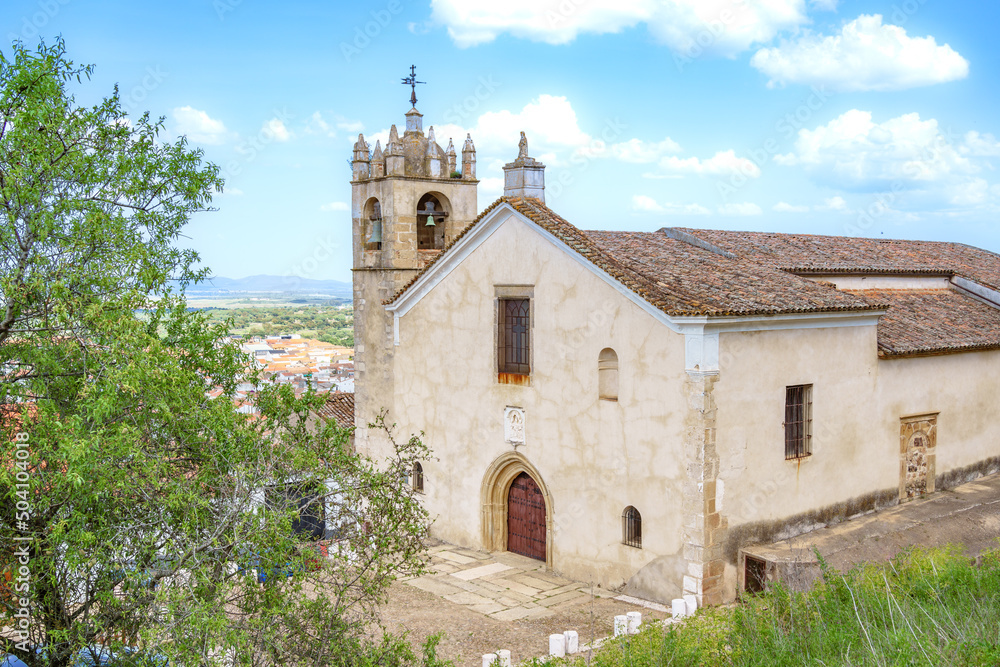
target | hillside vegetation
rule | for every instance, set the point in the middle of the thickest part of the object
(332, 323)
(924, 608)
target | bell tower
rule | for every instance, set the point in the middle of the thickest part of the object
(407, 203)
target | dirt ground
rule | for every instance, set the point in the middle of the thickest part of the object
(468, 634)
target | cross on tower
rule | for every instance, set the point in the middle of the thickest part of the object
(412, 82)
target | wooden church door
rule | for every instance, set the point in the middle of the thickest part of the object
(526, 518)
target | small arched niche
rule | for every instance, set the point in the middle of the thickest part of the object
(371, 225)
(431, 235)
(607, 375)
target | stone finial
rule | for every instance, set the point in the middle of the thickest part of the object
(468, 158)
(525, 176)
(395, 161)
(378, 161)
(431, 141)
(361, 149)
(414, 121)
(360, 163)
(434, 165)
(452, 157)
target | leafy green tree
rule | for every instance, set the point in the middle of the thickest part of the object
(142, 506)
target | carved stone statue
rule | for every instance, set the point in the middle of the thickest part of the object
(522, 147)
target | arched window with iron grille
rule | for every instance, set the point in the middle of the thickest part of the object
(417, 478)
(632, 527)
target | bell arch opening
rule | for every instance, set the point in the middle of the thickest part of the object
(371, 225)
(432, 211)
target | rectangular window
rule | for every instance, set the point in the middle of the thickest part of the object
(798, 421)
(754, 575)
(514, 339)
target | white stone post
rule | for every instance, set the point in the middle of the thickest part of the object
(503, 655)
(572, 642)
(678, 608)
(621, 625)
(690, 604)
(557, 646)
(634, 621)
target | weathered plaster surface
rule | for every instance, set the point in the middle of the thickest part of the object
(596, 457)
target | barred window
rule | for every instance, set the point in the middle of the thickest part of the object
(514, 339)
(798, 421)
(418, 477)
(632, 527)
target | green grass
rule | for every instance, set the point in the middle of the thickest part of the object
(926, 607)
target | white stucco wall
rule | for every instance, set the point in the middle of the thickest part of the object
(858, 402)
(964, 388)
(595, 457)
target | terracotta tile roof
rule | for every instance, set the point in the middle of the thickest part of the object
(809, 253)
(340, 408)
(688, 280)
(924, 322)
(718, 273)
(679, 278)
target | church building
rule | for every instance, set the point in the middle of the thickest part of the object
(635, 408)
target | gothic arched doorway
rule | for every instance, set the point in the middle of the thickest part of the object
(512, 473)
(526, 518)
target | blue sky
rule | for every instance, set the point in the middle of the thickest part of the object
(822, 116)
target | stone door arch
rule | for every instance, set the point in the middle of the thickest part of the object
(494, 495)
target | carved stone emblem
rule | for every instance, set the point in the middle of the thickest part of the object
(513, 425)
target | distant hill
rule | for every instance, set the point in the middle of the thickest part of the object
(272, 284)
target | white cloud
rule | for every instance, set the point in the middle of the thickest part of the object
(784, 207)
(275, 129)
(836, 204)
(865, 55)
(645, 203)
(689, 27)
(335, 206)
(981, 145)
(639, 151)
(745, 208)
(350, 125)
(198, 126)
(549, 123)
(974, 192)
(318, 125)
(491, 185)
(824, 5)
(723, 163)
(852, 151)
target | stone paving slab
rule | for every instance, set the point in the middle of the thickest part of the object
(518, 587)
(454, 557)
(512, 614)
(467, 598)
(535, 582)
(504, 586)
(481, 571)
(435, 586)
